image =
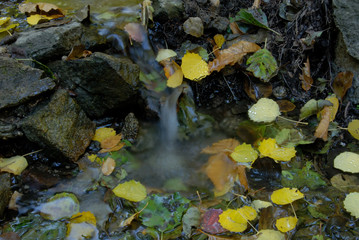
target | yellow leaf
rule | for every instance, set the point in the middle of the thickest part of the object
(193, 67)
(351, 204)
(36, 19)
(265, 110)
(269, 148)
(113, 149)
(14, 165)
(83, 217)
(285, 196)
(103, 133)
(270, 234)
(259, 204)
(219, 40)
(7, 28)
(131, 190)
(175, 79)
(333, 109)
(164, 54)
(108, 166)
(4, 20)
(93, 158)
(225, 145)
(236, 220)
(286, 224)
(353, 128)
(244, 153)
(248, 212)
(347, 162)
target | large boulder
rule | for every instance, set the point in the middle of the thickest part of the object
(60, 127)
(101, 82)
(19, 82)
(50, 43)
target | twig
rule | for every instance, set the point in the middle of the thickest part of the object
(293, 121)
(32, 152)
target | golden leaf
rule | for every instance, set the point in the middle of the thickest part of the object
(103, 133)
(236, 220)
(286, 224)
(219, 40)
(111, 141)
(226, 146)
(193, 67)
(14, 165)
(353, 128)
(285, 196)
(265, 110)
(132, 190)
(269, 148)
(244, 153)
(108, 166)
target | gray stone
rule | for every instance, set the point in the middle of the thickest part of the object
(60, 127)
(346, 18)
(101, 82)
(220, 24)
(130, 128)
(54, 42)
(193, 26)
(168, 9)
(5, 192)
(19, 82)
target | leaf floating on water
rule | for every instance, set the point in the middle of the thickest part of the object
(307, 80)
(193, 67)
(232, 55)
(342, 82)
(351, 204)
(285, 196)
(267, 234)
(244, 153)
(265, 110)
(132, 190)
(14, 165)
(347, 162)
(262, 64)
(286, 224)
(269, 148)
(353, 128)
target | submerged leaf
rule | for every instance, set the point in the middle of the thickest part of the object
(61, 205)
(285, 196)
(209, 221)
(265, 110)
(269, 148)
(262, 64)
(132, 190)
(193, 67)
(286, 224)
(347, 162)
(342, 82)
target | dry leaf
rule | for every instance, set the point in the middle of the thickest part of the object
(108, 166)
(235, 29)
(322, 129)
(242, 176)
(111, 141)
(232, 55)
(14, 197)
(257, 90)
(285, 106)
(307, 80)
(223, 146)
(173, 72)
(78, 52)
(342, 82)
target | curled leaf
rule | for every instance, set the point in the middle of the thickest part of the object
(14, 165)
(307, 80)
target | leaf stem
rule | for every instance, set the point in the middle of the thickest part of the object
(293, 210)
(293, 121)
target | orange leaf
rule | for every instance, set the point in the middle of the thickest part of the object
(221, 171)
(111, 141)
(307, 80)
(115, 148)
(108, 166)
(232, 55)
(242, 176)
(342, 82)
(285, 105)
(77, 52)
(322, 129)
(223, 146)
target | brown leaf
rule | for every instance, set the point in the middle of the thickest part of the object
(322, 129)
(223, 146)
(235, 29)
(307, 80)
(257, 90)
(242, 177)
(285, 105)
(209, 221)
(111, 142)
(221, 171)
(77, 52)
(342, 82)
(115, 148)
(232, 55)
(41, 8)
(136, 31)
(108, 166)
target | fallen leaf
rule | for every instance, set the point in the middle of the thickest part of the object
(342, 82)
(334, 108)
(285, 196)
(236, 220)
(83, 217)
(223, 146)
(209, 221)
(81, 225)
(14, 165)
(103, 133)
(351, 204)
(235, 29)
(347, 162)
(265, 110)
(28, 8)
(8, 27)
(191, 219)
(257, 90)
(193, 67)
(175, 79)
(286, 224)
(242, 176)
(136, 31)
(164, 54)
(269, 148)
(270, 234)
(59, 206)
(12, 203)
(313, 107)
(259, 204)
(37, 19)
(262, 64)
(307, 80)
(49, 8)
(232, 55)
(78, 52)
(345, 183)
(219, 40)
(4, 20)
(353, 128)
(322, 129)
(244, 153)
(132, 190)
(111, 141)
(285, 106)
(254, 16)
(129, 220)
(108, 166)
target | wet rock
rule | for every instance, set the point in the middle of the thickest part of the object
(19, 82)
(168, 9)
(9, 130)
(130, 128)
(60, 127)
(193, 26)
(5, 192)
(54, 42)
(280, 92)
(346, 18)
(220, 24)
(100, 82)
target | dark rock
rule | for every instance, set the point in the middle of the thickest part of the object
(61, 127)
(100, 82)
(220, 24)
(168, 9)
(54, 42)
(9, 130)
(5, 192)
(19, 82)
(346, 18)
(130, 128)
